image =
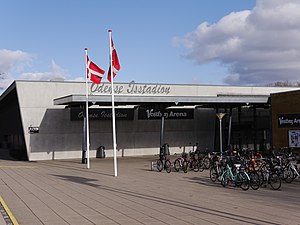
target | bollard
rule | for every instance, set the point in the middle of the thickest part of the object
(153, 165)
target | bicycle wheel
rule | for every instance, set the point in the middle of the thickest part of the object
(262, 178)
(275, 181)
(206, 162)
(185, 166)
(201, 165)
(238, 179)
(195, 166)
(288, 175)
(245, 181)
(213, 174)
(224, 179)
(168, 166)
(159, 165)
(254, 180)
(177, 165)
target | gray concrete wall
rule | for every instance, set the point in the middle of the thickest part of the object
(56, 137)
(59, 137)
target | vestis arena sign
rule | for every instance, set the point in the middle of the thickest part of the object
(151, 113)
(289, 120)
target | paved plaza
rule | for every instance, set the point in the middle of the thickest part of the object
(66, 192)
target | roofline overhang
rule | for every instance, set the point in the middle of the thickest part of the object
(170, 100)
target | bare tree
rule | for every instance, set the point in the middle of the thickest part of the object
(285, 83)
(282, 84)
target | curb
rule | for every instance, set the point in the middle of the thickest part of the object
(7, 215)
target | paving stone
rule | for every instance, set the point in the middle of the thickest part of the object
(65, 192)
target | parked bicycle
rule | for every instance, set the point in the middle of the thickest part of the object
(236, 174)
(181, 163)
(207, 159)
(288, 168)
(269, 174)
(195, 163)
(163, 163)
(216, 168)
(251, 167)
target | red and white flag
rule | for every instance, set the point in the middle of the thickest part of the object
(94, 73)
(115, 62)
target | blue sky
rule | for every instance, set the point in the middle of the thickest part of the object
(158, 41)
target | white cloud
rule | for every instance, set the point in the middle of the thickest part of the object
(13, 65)
(56, 73)
(4, 83)
(12, 62)
(258, 46)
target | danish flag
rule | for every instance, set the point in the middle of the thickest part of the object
(94, 73)
(115, 62)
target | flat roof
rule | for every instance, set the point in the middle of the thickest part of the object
(171, 95)
(132, 93)
(168, 100)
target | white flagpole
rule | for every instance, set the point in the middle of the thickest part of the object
(113, 106)
(87, 114)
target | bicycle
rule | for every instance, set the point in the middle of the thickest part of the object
(238, 176)
(163, 163)
(181, 163)
(269, 174)
(194, 163)
(251, 166)
(207, 159)
(288, 170)
(216, 168)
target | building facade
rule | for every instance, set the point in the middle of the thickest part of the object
(286, 119)
(42, 120)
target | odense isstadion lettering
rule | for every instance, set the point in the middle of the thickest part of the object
(133, 88)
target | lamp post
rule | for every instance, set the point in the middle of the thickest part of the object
(220, 116)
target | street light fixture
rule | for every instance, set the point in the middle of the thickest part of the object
(220, 116)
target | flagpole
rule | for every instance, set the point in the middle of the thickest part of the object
(113, 106)
(87, 113)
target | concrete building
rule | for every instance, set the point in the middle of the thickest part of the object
(42, 120)
(286, 119)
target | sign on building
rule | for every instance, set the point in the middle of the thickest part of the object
(102, 114)
(289, 120)
(153, 113)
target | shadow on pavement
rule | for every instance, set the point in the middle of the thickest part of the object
(185, 205)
